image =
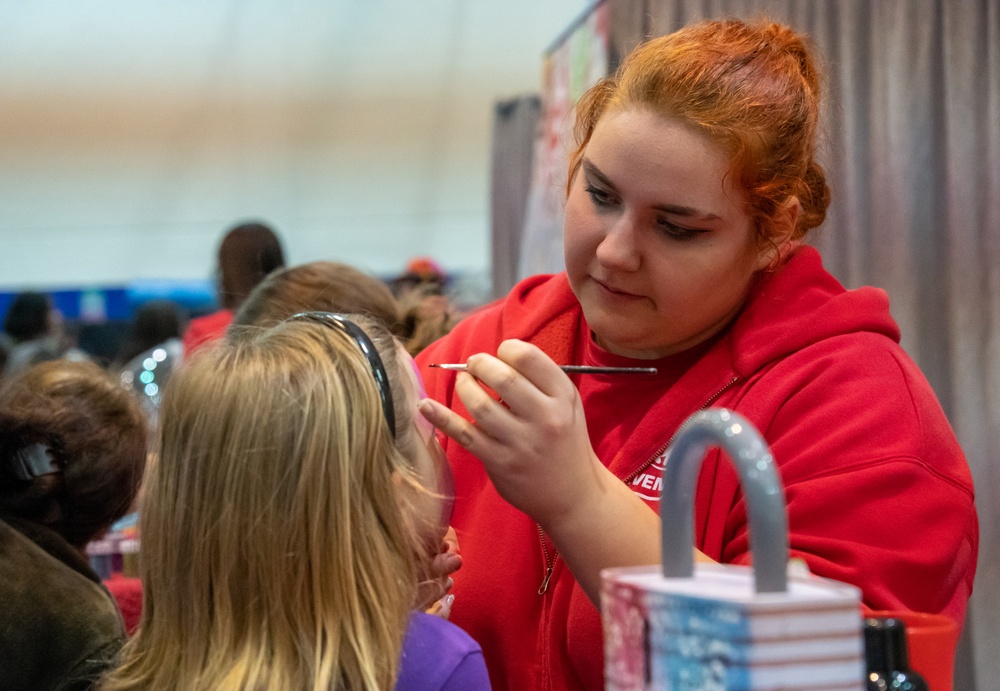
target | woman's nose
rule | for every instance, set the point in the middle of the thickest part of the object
(620, 249)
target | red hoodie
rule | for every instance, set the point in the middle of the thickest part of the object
(879, 493)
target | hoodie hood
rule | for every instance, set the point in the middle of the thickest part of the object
(543, 309)
(801, 305)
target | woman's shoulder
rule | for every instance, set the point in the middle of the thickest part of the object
(801, 306)
(62, 586)
(862, 399)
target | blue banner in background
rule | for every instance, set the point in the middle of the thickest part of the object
(97, 318)
(196, 297)
(117, 303)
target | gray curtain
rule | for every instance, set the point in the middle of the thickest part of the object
(515, 123)
(912, 150)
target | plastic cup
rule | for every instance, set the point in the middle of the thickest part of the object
(931, 641)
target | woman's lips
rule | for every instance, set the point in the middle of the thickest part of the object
(611, 293)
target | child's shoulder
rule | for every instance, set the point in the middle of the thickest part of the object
(439, 655)
(428, 632)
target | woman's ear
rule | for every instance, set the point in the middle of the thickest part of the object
(781, 244)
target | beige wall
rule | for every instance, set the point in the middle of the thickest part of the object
(132, 133)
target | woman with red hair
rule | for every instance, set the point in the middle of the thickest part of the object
(691, 190)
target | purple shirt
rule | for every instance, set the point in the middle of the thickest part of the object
(439, 656)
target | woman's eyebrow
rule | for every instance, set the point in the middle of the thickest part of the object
(674, 209)
(687, 212)
(595, 172)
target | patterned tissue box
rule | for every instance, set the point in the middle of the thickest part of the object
(713, 631)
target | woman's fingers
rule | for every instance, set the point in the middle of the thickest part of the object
(523, 376)
(458, 428)
(534, 439)
(534, 366)
(516, 393)
(449, 422)
(450, 541)
(534, 414)
(433, 592)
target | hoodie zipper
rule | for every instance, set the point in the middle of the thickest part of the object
(550, 560)
(631, 476)
(549, 563)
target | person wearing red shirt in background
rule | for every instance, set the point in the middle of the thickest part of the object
(691, 190)
(247, 253)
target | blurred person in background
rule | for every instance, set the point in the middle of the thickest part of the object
(420, 272)
(420, 318)
(35, 333)
(322, 285)
(247, 253)
(72, 453)
(154, 323)
(427, 312)
(6, 344)
(151, 351)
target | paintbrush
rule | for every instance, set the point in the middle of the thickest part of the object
(570, 369)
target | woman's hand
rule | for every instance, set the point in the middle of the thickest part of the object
(535, 447)
(534, 442)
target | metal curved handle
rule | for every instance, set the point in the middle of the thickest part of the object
(762, 490)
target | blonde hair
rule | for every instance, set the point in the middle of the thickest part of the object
(277, 553)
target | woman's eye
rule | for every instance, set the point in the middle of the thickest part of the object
(675, 231)
(599, 197)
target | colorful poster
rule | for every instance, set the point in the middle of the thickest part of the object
(577, 61)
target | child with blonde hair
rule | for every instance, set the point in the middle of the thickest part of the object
(296, 494)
